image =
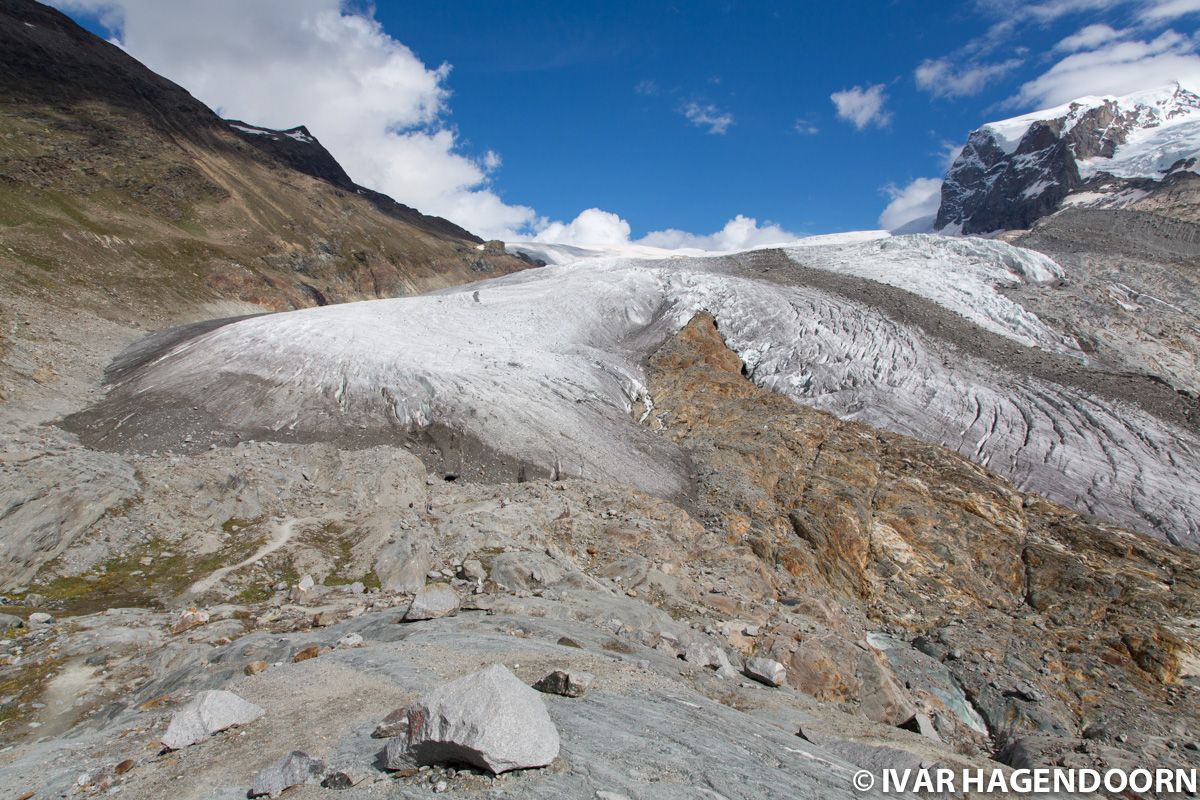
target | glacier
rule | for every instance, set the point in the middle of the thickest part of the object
(546, 367)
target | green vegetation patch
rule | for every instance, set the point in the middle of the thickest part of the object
(21, 684)
(150, 576)
(336, 542)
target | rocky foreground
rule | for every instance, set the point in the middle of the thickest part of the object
(829, 597)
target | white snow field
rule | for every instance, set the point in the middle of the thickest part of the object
(546, 366)
(554, 253)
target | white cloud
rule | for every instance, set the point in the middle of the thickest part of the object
(1166, 10)
(597, 227)
(862, 106)
(1014, 17)
(592, 226)
(377, 107)
(371, 101)
(1015, 12)
(948, 154)
(805, 127)
(919, 200)
(1052, 10)
(941, 78)
(647, 88)
(1115, 68)
(1089, 38)
(739, 233)
(706, 115)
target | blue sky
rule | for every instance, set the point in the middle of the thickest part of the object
(669, 115)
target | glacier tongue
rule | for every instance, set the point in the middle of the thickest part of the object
(545, 366)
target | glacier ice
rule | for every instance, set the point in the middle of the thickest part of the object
(546, 365)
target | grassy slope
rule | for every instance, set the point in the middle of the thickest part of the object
(121, 193)
(97, 208)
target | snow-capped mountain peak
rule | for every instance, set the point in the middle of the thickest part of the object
(1013, 171)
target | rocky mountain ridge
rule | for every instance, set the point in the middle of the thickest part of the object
(1094, 151)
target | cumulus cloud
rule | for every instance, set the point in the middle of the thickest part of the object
(912, 206)
(1115, 68)
(706, 115)
(862, 106)
(592, 226)
(739, 233)
(941, 78)
(377, 107)
(597, 227)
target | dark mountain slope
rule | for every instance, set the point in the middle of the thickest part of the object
(119, 190)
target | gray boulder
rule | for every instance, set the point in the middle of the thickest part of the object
(293, 769)
(525, 570)
(472, 570)
(210, 712)
(766, 670)
(567, 684)
(489, 719)
(433, 601)
(704, 654)
(402, 564)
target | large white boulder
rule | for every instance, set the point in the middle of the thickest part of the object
(488, 719)
(433, 601)
(210, 712)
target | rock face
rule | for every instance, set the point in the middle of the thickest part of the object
(433, 601)
(489, 719)
(990, 582)
(50, 501)
(294, 769)
(210, 712)
(1014, 172)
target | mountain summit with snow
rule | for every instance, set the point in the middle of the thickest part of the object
(1107, 151)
